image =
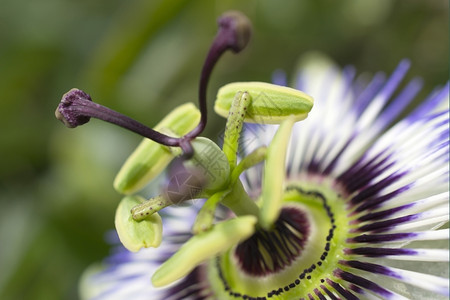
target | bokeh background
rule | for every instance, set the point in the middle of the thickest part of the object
(143, 58)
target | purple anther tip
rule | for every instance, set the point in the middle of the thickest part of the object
(239, 28)
(65, 111)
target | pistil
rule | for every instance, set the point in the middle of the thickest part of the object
(234, 34)
(76, 107)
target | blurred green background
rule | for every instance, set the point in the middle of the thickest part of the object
(142, 58)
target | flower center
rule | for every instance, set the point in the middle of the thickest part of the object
(298, 254)
(269, 251)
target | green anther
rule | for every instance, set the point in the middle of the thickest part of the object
(274, 174)
(133, 234)
(210, 162)
(234, 125)
(254, 158)
(202, 247)
(205, 216)
(149, 159)
(149, 207)
(271, 104)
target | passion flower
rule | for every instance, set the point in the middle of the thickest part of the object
(351, 203)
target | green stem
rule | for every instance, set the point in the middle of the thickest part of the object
(254, 158)
(205, 216)
(239, 201)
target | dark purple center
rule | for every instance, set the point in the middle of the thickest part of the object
(269, 251)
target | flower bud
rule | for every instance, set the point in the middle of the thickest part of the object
(270, 104)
